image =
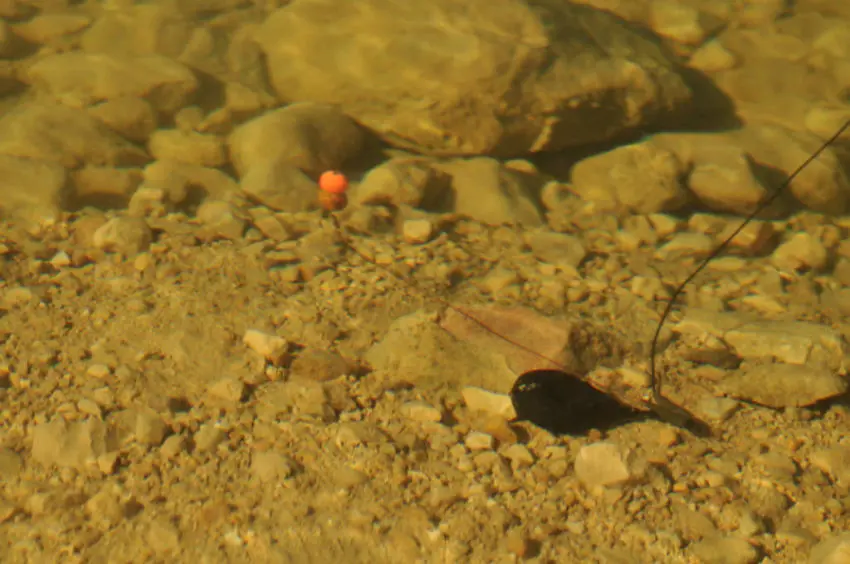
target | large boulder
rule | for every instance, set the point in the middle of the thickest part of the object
(495, 77)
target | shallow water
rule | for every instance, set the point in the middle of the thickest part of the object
(198, 363)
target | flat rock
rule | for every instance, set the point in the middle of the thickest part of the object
(59, 134)
(789, 342)
(546, 337)
(280, 186)
(784, 385)
(725, 550)
(603, 464)
(479, 78)
(417, 350)
(87, 78)
(69, 445)
(834, 549)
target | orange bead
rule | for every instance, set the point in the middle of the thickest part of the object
(332, 201)
(333, 181)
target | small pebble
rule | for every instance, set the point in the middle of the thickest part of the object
(421, 411)
(479, 399)
(271, 466)
(230, 390)
(417, 231)
(601, 464)
(272, 348)
(479, 441)
(208, 437)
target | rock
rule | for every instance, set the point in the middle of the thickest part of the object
(318, 365)
(803, 251)
(10, 463)
(208, 437)
(353, 433)
(130, 117)
(173, 446)
(221, 220)
(712, 57)
(69, 445)
(269, 224)
(104, 187)
(309, 137)
(519, 455)
(825, 120)
(162, 536)
(602, 464)
(280, 186)
(503, 79)
(46, 28)
(188, 147)
(182, 182)
(417, 350)
(31, 189)
(271, 347)
(421, 412)
(489, 192)
(125, 235)
(139, 29)
(297, 397)
(640, 177)
(417, 231)
(65, 136)
(716, 409)
(479, 441)
(558, 249)
(834, 462)
(678, 21)
(524, 326)
(478, 399)
(784, 385)
(722, 174)
(794, 342)
(823, 186)
(150, 429)
(347, 477)
(725, 181)
(272, 466)
(407, 181)
(105, 507)
(690, 244)
(725, 550)
(229, 390)
(834, 549)
(87, 78)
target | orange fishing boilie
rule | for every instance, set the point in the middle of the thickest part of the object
(332, 187)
